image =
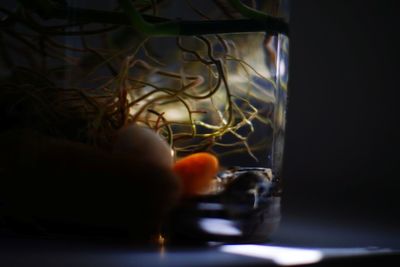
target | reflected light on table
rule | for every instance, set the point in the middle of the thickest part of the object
(279, 255)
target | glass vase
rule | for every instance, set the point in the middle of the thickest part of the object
(206, 76)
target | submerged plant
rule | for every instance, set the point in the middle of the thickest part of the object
(82, 74)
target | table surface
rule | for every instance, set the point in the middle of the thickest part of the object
(297, 241)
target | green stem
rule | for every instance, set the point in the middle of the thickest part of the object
(161, 29)
(154, 25)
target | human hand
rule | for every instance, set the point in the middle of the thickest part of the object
(75, 189)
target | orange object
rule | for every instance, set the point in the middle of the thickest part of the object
(196, 172)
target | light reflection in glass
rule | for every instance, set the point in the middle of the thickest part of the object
(219, 226)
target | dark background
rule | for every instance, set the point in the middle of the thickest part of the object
(342, 149)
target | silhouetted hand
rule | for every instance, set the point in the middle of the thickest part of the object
(59, 186)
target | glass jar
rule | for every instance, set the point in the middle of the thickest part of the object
(206, 76)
